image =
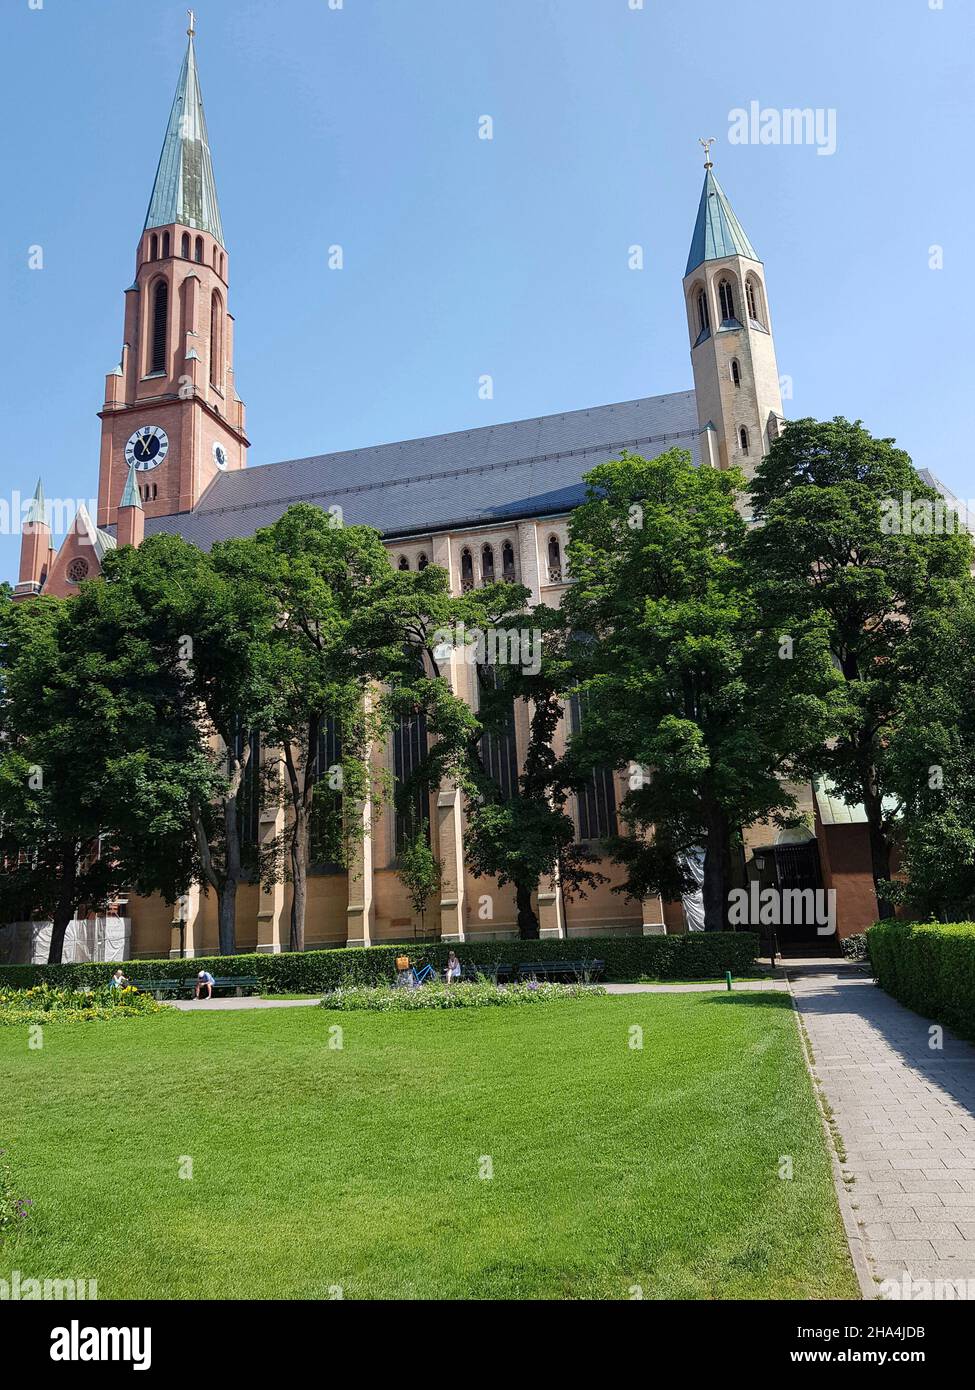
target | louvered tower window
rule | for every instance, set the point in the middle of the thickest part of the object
(160, 315)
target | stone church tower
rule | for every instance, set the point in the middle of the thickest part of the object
(171, 411)
(736, 379)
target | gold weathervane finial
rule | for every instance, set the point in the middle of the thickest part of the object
(707, 151)
(192, 29)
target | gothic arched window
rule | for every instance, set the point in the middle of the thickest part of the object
(404, 563)
(199, 249)
(184, 246)
(153, 247)
(554, 560)
(703, 312)
(726, 296)
(753, 293)
(466, 570)
(743, 437)
(165, 246)
(487, 564)
(422, 561)
(160, 314)
(735, 371)
(216, 341)
(508, 561)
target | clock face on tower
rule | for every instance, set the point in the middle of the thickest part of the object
(220, 455)
(147, 447)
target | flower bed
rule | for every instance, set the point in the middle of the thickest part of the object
(44, 1004)
(481, 995)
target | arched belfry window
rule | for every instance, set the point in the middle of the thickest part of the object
(404, 563)
(487, 564)
(466, 570)
(735, 371)
(165, 246)
(199, 249)
(184, 246)
(508, 561)
(160, 316)
(753, 293)
(703, 312)
(726, 298)
(743, 438)
(554, 560)
(216, 341)
(153, 247)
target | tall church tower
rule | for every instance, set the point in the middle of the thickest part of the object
(736, 378)
(171, 410)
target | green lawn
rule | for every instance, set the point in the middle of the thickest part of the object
(315, 1167)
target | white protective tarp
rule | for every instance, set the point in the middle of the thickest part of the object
(693, 901)
(91, 938)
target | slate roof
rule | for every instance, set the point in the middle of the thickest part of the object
(470, 478)
(717, 231)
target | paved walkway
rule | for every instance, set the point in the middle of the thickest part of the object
(906, 1115)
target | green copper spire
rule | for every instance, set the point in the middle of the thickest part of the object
(131, 496)
(185, 190)
(717, 231)
(37, 511)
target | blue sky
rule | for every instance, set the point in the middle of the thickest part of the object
(358, 126)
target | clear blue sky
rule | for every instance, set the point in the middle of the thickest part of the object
(358, 126)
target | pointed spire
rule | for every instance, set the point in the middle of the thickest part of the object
(717, 231)
(37, 511)
(185, 190)
(131, 496)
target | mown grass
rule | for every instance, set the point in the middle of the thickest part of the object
(317, 1168)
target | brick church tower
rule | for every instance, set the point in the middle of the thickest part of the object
(171, 410)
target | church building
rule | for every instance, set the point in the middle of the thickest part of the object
(484, 504)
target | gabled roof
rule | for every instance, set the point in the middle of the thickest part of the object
(717, 231)
(99, 540)
(492, 475)
(185, 190)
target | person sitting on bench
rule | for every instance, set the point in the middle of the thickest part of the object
(119, 980)
(204, 981)
(453, 968)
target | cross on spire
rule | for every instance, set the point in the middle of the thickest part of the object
(192, 29)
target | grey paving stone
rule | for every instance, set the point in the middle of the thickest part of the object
(906, 1116)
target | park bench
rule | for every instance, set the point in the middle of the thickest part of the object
(161, 989)
(473, 973)
(172, 989)
(560, 969)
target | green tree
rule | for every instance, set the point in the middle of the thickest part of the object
(208, 628)
(349, 645)
(518, 828)
(671, 653)
(930, 768)
(88, 801)
(848, 538)
(420, 871)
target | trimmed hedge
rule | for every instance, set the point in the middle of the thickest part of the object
(928, 966)
(696, 956)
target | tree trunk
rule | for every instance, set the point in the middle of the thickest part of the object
(65, 908)
(527, 920)
(299, 883)
(227, 892)
(717, 871)
(880, 851)
(227, 919)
